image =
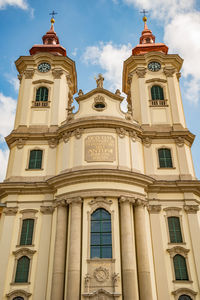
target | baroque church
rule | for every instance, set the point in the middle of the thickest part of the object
(100, 203)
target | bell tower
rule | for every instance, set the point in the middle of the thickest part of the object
(151, 80)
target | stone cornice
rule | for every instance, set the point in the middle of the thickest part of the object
(65, 131)
(99, 91)
(154, 209)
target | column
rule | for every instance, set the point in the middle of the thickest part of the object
(57, 291)
(74, 258)
(129, 271)
(144, 276)
(163, 290)
(194, 227)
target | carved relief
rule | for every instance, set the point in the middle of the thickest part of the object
(18, 293)
(147, 142)
(29, 73)
(121, 132)
(10, 211)
(78, 133)
(180, 141)
(141, 72)
(123, 199)
(80, 93)
(141, 202)
(20, 143)
(74, 200)
(154, 208)
(60, 202)
(133, 135)
(115, 278)
(178, 250)
(169, 71)
(101, 274)
(100, 200)
(87, 282)
(47, 210)
(99, 99)
(66, 136)
(53, 142)
(191, 209)
(24, 252)
(57, 73)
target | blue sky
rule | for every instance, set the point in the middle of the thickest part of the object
(99, 35)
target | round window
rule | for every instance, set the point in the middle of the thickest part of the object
(99, 105)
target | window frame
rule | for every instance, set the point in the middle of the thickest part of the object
(180, 269)
(28, 159)
(174, 231)
(184, 291)
(45, 89)
(163, 84)
(27, 214)
(101, 233)
(172, 158)
(17, 264)
(27, 232)
(161, 88)
(18, 293)
(38, 84)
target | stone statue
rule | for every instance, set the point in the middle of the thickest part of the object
(99, 81)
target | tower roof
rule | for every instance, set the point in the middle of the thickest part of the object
(50, 43)
(147, 42)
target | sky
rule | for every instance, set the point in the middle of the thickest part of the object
(99, 35)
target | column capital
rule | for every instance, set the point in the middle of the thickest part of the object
(141, 202)
(10, 211)
(141, 71)
(154, 209)
(191, 209)
(60, 202)
(74, 200)
(124, 199)
(47, 210)
(169, 71)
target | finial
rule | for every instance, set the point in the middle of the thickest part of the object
(53, 13)
(144, 11)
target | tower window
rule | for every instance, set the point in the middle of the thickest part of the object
(22, 269)
(157, 93)
(184, 297)
(180, 267)
(165, 159)
(27, 232)
(101, 235)
(35, 160)
(18, 298)
(42, 94)
(174, 230)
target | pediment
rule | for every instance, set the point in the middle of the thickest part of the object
(99, 91)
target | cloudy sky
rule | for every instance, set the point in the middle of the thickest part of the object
(99, 36)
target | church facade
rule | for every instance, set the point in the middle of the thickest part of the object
(100, 204)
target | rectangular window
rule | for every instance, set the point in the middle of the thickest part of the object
(27, 232)
(165, 159)
(35, 160)
(174, 230)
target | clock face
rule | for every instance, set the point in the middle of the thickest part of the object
(154, 66)
(44, 67)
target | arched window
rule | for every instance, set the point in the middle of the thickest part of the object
(184, 297)
(22, 270)
(18, 298)
(165, 159)
(35, 160)
(157, 93)
(180, 267)
(42, 94)
(174, 230)
(27, 232)
(101, 235)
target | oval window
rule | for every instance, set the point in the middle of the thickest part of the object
(99, 105)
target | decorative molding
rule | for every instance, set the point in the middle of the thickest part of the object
(47, 210)
(18, 293)
(156, 80)
(180, 141)
(101, 274)
(129, 80)
(141, 202)
(178, 250)
(147, 142)
(29, 73)
(99, 99)
(87, 280)
(121, 132)
(19, 76)
(53, 142)
(133, 135)
(24, 252)
(124, 199)
(169, 71)
(66, 136)
(141, 72)
(191, 209)
(184, 291)
(78, 132)
(100, 294)
(57, 73)
(10, 211)
(60, 202)
(172, 208)
(74, 200)
(42, 81)
(154, 209)
(20, 143)
(100, 200)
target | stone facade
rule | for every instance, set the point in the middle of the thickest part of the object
(99, 158)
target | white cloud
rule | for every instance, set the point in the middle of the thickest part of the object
(110, 58)
(7, 113)
(3, 163)
(19, 3)
(14, 82)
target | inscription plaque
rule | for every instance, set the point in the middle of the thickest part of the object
(99, 148)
